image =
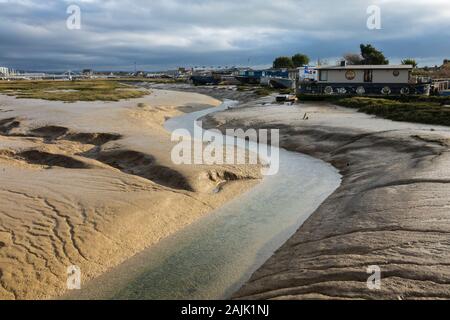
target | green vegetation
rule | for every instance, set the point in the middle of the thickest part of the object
(410, 62)
(297, 61)
(368, 55)
(422, 110)
(71, 91)
(283, 62)
(300, 60)
(373, 56)
(419, 109)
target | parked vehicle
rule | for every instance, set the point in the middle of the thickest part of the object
(286, 98)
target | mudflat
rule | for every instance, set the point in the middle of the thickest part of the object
(391, 211)
(90, 184)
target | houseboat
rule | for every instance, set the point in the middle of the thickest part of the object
(204, 80)
(278, 83)
(250, 76)
(215, 77)
(275, 78)
(279, 78)
(364, 80)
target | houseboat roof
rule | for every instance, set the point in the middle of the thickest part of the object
(365, 67)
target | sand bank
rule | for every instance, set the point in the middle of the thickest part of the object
(392, 209)
(91, 184)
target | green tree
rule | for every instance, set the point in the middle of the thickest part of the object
(410, 62)
(300, 60)
(283, 62)
(372, 56)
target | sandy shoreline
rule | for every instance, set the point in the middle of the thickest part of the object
(82, 208)
(92, 184)
(392, 209)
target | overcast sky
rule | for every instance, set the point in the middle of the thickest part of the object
(161, 34)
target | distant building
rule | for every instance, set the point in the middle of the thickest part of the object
(4, 72)
(183, 70)
(87, 72)
(139, 74)
(174, 73)
(154, 75)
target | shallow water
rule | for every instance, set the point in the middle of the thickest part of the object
(215, 256)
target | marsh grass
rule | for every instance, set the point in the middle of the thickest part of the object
(429, 110)
(71, 91)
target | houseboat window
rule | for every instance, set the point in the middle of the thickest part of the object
(368, 75)
(323, 75)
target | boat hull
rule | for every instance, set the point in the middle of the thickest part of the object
(363, 89)
(204, 80)
(248, 80)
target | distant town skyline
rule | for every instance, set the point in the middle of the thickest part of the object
(160, 35)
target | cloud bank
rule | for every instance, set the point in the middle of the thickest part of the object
(169, 33)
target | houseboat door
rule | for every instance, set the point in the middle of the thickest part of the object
(368, 76)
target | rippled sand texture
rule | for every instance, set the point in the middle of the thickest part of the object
(92, 184)
(392, 209)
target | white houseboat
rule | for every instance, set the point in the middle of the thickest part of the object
(364, 80)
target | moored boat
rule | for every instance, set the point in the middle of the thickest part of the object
(204, 80)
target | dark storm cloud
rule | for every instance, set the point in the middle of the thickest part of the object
(162, 34)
